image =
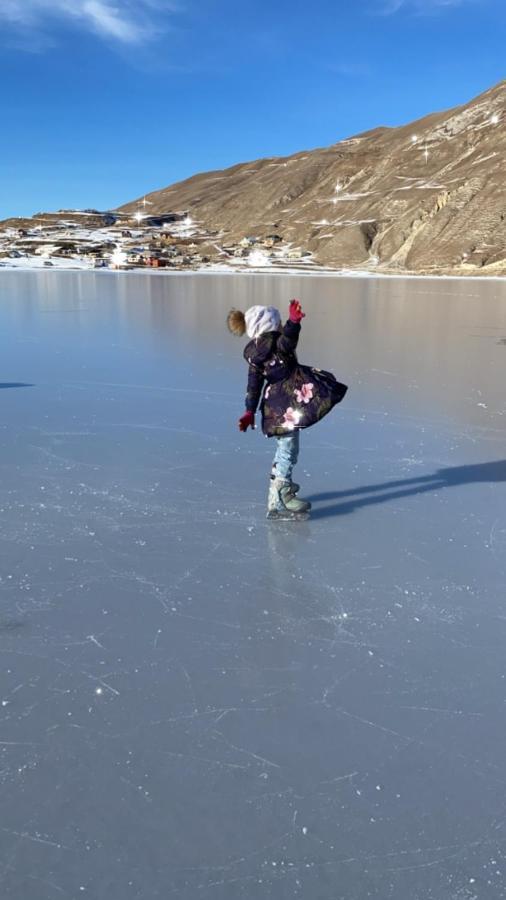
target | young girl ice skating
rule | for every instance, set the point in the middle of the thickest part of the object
(295, 396)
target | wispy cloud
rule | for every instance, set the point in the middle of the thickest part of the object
(428, 7)
(121, 21)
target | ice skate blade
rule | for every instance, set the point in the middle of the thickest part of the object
(282, 515)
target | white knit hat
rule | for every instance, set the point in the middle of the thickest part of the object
(261, 319)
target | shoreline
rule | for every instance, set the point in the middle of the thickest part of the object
(34, 264)
(267, 270)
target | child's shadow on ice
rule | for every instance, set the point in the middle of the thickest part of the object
(491, 472)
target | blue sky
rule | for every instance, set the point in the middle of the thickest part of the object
(104, 100)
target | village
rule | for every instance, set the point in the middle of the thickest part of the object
(90, 239)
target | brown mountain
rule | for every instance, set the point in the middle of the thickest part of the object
(426, 197)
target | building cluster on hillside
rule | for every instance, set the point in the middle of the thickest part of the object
(93, 239)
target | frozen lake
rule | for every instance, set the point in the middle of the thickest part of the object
(197, 703)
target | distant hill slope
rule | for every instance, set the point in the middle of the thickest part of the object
(426, 197)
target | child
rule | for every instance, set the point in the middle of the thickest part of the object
(295, 396)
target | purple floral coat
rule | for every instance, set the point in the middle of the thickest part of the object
(295, 396)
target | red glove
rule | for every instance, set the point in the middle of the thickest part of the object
(247, 421)
(295, 314)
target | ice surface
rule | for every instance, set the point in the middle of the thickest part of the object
(196, 703)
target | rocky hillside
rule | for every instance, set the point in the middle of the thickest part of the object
(427, 197)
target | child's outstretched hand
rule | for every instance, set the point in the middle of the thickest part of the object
(295, 312)
(247, 421)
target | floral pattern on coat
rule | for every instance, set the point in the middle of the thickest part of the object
(291, 418)
(305, 394)
(295, 396)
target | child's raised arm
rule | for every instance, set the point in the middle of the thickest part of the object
(289, 339)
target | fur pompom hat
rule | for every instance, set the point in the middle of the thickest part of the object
(256, 321)
(236, 322)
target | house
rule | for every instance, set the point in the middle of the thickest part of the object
(46, 250)
(136, 258)
(166, 238)
(248, 242)
(96, 249)
(66, 250)
(156, 262)
(272, 239)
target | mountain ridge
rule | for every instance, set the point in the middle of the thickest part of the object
(426, 197)
(379, 199)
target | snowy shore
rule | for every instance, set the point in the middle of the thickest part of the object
(35, 263)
